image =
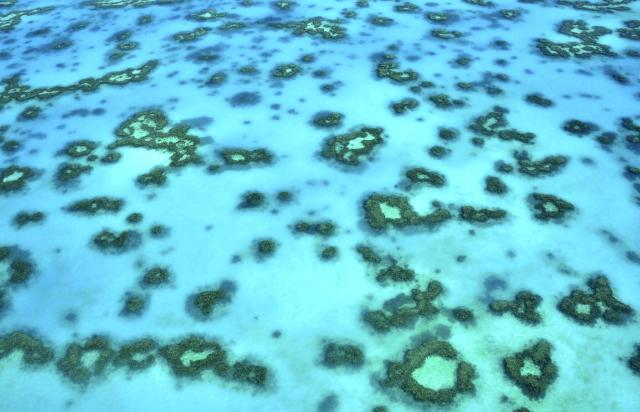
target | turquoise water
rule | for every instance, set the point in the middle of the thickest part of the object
(319, 206)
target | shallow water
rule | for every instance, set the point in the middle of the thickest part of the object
(319, 206)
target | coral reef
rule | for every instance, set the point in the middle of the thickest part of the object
(413, 374)
(522, 307)
(532, 369)
(404, 310)
(586, 308)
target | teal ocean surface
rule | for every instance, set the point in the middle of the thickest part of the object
(324, 206)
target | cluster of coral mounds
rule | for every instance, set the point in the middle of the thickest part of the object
(115, 243)
(79, 148)
(549, 207)
(432, 372)
(134, 218)
(423, 176)
(403, 311)
(315, 26)
(346, 355)
(605, 6)
(25, 218)
(14, 178)
(242, 157)
(324, 228)
(381, 21)
(286, 71)
(387, 267)
(155, 276)
(445, 34)
(206, 15)
(404, 105)
(136, 355)
(587, 307)
(16, 266)
(482, 3)
(194, 355)
(495, 185)
(190, 36)
(220, 115)
(134, 305)
(548, 165)
(284, 5)
(29, 113)
(437, 17)
(232, 26)
(123, 46)
(35, 352)
(86, 361)
(157, 177)
(388, 69)
(202, 304)
(581, 30)
(351, 148)
(96, 205)
(106, 4)
(395, 273)
(444, 101)
(463, 315)
(4, 300)
(68, 174)
(491, 123)
(14, 90)
(83, 362)
(634, 361)
(631, 30)
(252, 200)
(481, 215)
(587, 47)
(578, 127)
(10, 20)
(327, 119)
(494, 123)
(523, 307)
(265, 248)
(381, 211)
(532, 369)
(146, 129)
(538, 99)
(632, 140)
